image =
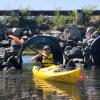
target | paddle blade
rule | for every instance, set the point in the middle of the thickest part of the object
(82, 76)
(16, 39)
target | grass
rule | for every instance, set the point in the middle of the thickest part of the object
(29, 53)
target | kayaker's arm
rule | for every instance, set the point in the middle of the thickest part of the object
(34, 58)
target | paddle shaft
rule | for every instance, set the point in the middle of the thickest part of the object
(44, 56)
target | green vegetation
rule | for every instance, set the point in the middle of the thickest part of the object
(25, 12)
(87, 13)
(28, 53)
(74, 15)
(12, 20)
(60, 21)
(39, 19)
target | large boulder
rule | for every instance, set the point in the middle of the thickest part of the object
(1, 34)
(80, 19)
(89, 31)
(75, 32)
(16, 31)
(95, 51)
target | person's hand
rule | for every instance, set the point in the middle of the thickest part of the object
(61, 65)
(40, 52)
(58, 63)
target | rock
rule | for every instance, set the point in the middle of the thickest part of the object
(75, 32)
(80, 19)
(1, 34)
(16, 31)
(89, 32)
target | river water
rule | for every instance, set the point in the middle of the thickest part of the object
(20, 85)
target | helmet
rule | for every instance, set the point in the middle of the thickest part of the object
(46, 47)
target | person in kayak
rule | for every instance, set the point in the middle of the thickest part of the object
(45, 57)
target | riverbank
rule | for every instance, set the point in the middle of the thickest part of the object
(28, 53)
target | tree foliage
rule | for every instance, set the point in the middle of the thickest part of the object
(87, 13)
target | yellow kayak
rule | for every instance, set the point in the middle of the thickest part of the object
(56, 73)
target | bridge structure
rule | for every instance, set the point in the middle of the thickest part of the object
(43, 12)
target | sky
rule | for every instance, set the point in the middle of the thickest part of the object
(48, 4)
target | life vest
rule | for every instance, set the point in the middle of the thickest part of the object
(45, 61)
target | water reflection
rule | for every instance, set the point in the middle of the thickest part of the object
(90, 87)
(55, 90)
(27, 59)
(15, 86)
